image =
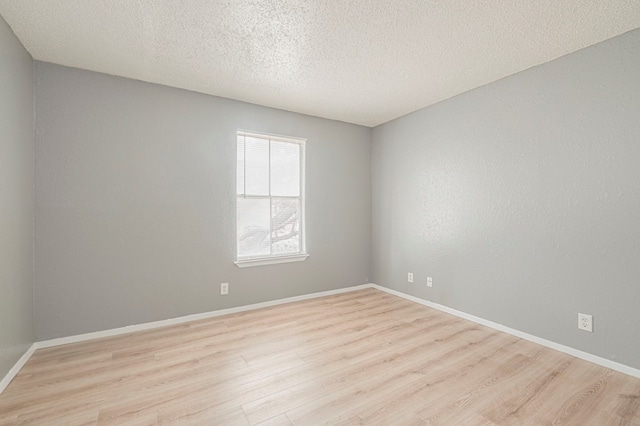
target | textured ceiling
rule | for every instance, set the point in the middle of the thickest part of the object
(359, 61)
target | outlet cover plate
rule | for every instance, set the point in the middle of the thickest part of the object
(224, 288)
(585, 322)
(410, 277)
(429, 282)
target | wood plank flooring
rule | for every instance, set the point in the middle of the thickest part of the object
(363, 357)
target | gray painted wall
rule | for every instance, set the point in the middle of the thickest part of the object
(135, 203)
(16, 199)
(522, 200)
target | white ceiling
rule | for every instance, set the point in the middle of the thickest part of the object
(359, 61)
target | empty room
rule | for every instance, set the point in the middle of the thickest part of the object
(319, 212)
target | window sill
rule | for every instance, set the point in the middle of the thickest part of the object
(247, 263)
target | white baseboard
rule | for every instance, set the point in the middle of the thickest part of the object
(187, 318)
(17, 367)
(163, 323)
(634, 372)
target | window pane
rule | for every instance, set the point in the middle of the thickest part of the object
(285, 169)
(285, 226)
(240, 166)
(256, 166)
(253, 227)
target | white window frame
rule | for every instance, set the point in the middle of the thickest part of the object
(248, 261)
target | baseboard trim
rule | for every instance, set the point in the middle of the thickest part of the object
(17, 367)
(625, 369)
(622, 368)
(188, 318)
(162, 323)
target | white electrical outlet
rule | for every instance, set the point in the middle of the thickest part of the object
(410, 277)
(585, 322)
(224, 288)
(429, 282)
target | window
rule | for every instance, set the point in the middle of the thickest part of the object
(270, 199)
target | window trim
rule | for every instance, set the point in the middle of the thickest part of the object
(248, 261)
(271, 260)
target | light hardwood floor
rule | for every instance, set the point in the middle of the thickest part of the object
(363, 357)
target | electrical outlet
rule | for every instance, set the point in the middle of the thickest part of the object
(585, 322)
(429, 282)
(224, 288)
(410, 277)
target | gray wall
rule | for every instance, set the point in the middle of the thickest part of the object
(16, 199)
(135, 203)
(522, 200)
